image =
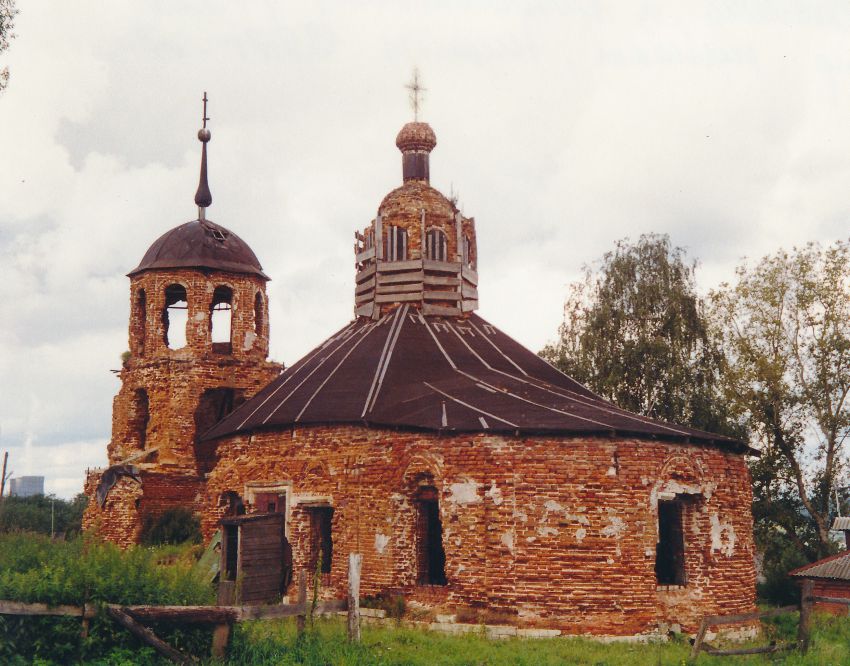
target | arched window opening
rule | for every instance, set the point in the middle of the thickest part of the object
(139, 419)
(140, 320)
(436, 245)
(467, 251)
(221, 318)
(232, 503)
(213, 406)
(430, 555)
(395, 244)
(175, 316)
(258, 314)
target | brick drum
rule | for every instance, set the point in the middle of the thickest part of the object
(555, 532)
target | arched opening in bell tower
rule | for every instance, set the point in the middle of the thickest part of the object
(258, 314)
(221, 319)
(175, 316)
(140, 314)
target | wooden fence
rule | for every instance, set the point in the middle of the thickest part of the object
(222, 618)
(807, 602)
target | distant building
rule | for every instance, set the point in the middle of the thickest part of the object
(831, 575)
(26, 486)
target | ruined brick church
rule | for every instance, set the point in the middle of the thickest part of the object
(468, 472)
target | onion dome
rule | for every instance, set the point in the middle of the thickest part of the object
(415, 141)
(201, 244)
(416, 136)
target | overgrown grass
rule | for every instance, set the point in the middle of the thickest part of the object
(34, 568)
(267, 643)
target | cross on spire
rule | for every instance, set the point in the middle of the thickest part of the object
(416, 89)
(205, 118)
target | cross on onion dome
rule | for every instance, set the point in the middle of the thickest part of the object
(416, 90)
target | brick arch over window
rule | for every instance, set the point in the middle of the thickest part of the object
(682, 468)
(231, 502)
(422, 466)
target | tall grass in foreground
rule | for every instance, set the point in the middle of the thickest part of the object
(34, 568)
(276, 643)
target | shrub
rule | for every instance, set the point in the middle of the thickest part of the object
(174, 526)
(34, 568)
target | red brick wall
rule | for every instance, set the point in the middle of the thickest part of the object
(832, 588)
(174, 381)
(129, 503)
(558, 532)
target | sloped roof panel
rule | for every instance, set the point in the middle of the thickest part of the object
(452, 374)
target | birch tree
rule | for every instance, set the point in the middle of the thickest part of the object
(785, 329)
(636, 332)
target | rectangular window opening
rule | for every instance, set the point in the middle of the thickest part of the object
(670, 549)
(231, 551)
(431, 556)
(321, 537)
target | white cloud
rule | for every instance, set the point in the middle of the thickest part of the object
(563, 126)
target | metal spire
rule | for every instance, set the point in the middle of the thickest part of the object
(203, 197)
(416, 89)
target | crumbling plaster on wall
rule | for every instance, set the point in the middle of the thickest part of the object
(496, 496)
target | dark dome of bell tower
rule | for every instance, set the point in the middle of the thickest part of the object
(201, 244)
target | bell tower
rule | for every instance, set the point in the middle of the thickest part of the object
(198, 347)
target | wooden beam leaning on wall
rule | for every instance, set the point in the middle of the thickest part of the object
(714, 620)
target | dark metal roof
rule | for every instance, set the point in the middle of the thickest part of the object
(836, 567)
(201, 244)
(440, 374)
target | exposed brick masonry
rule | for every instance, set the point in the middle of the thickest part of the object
(157, 406)
(559, 532)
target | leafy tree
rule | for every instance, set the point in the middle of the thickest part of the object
(636, 333)
(786, 331)
(33, 514)
(7, 26)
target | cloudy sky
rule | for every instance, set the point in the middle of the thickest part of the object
(562, 126)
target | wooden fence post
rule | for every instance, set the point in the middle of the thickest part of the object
(355, 561)
(804, 630)
(301, 618)
(700, 637)
(220, 639)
